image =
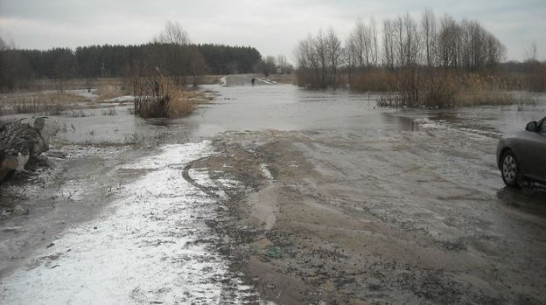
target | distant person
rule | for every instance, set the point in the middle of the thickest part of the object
(253, 81)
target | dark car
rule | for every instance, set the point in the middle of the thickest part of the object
(522, 155)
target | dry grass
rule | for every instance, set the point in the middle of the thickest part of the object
(376, 80)
(436, 88)
(159, 96)
(485, 89)
(43, 103)
(74, 84)
(180, 105)
(108, 92)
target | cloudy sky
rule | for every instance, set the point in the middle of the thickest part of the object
(273, 27)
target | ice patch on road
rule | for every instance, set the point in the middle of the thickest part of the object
(265, 172)
(122, 99)
(151, 245)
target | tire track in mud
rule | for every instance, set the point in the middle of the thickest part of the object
(205, 189)
(221, 224)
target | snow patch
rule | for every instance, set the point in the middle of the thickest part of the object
(265, 172)
(122, 99)
(150, 245)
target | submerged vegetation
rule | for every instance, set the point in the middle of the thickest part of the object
(159, 96)
(430, 63)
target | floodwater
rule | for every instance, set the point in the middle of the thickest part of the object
(119, 222)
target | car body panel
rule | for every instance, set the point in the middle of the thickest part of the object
(529, 147)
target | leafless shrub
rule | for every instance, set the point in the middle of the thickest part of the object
(319, 58)
(158, 96)
(439, 89)
(390, 100)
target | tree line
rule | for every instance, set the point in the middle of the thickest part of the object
(405, 44)
(427, 62)
(173, 57)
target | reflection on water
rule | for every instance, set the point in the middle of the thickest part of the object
(527, 199)
(400, 122)
(287, 107)
(496, 119)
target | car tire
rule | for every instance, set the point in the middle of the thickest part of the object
(510, 170)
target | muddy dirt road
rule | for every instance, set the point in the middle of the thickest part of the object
(273, 193)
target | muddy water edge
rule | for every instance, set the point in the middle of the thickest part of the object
(325, 198)
(349, 204)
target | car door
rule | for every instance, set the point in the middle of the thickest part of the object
(541, 147)
(536, 153)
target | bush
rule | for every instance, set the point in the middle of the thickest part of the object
(536, 76)
(160, 97)
(433, 88)
(373, 80)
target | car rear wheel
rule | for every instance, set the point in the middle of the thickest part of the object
(510, 169)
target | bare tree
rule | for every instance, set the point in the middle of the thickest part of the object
(3, 45)
(308, 62)
(173, 33)
(374, 43)
(319, 58)
(412, 44)
(388, 44)
(398, 26)
(496, 51)
(363, 44)
(196, 65)
(531, 53)
(334, 52)
(283, 64)
(449, 42)
(429, 34)
(467, 45)
(406, 42)
(269, 65)
(320, 47)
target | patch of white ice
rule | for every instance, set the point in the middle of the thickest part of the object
(122, 99)
(151, 245)
(265, 172)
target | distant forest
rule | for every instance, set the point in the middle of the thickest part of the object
(19, 67)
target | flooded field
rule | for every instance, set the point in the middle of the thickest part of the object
(275, 193)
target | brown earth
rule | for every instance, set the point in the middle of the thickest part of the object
(309, 229)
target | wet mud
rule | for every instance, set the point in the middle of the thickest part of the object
(413, 218)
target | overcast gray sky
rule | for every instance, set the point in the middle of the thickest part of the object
(273, 27)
